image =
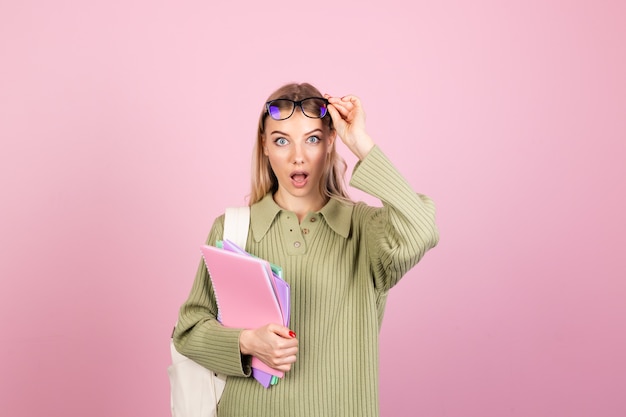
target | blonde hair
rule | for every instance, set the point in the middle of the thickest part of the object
(264, 180)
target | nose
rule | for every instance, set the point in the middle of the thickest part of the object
(298, 155)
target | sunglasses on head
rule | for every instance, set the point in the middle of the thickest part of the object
(283, 108)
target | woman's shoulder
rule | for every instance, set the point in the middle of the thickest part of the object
(363, 212)
(363, 207)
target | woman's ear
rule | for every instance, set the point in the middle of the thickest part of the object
(263, 144)
(331, 140)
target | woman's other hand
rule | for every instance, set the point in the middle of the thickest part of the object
(274, 345)
(349, 120)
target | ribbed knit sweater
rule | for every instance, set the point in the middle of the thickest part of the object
(340, 263)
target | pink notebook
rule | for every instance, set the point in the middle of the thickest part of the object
(244, 292)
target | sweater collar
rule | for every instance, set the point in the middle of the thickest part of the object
(337, 214)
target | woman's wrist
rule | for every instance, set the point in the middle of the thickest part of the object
(362, 147)
(244, 342)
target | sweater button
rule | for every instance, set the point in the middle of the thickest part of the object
(296, 244)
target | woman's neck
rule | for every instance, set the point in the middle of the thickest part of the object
(299, 205)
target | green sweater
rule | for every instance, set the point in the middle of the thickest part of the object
(340, 263)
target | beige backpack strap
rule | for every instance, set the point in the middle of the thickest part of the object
(236, 225)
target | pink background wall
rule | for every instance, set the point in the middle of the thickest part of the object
(119, 118)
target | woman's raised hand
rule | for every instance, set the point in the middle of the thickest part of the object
(349, 120)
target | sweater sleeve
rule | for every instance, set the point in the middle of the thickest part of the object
(399, 233)
(199, 335)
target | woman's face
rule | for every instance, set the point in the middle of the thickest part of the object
(297, 149)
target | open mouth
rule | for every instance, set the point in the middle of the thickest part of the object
(299, 178)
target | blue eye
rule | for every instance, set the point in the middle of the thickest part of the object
(281, 141)
(313, 139)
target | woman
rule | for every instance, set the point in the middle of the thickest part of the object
(339, 257)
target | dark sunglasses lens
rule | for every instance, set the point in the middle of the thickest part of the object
(280, 109)
(314, 107)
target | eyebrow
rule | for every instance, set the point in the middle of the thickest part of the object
(286, 134)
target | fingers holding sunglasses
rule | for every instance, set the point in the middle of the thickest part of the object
(348, 106)
(349, 120)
